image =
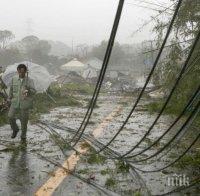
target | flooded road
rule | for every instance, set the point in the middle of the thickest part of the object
(23, 172)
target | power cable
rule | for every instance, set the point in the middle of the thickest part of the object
(172, 125)
(149, 76)
(152, 19)
(172, 163)
(180, 189)
(142, 6)
(152, 3)
(170, 95)
(196, 110)
(104, 67)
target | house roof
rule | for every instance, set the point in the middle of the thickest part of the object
(74, 64)
(94, 62)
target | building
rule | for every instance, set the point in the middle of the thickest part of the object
(90, 72)
(74, 66)
(93, 68)
(117, 71)
(94, 63)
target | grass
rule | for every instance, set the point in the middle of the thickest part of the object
(110, 182)
(85, 145)
(3, 118)
(132, 193)
(190, 160)
(62, 97)
(95, 106)
(148, 141)
(137, 193)
(83, 171)
(96, 159)
(71, 88)
(121, 167)
(3, 115)
(43, 104)
(11, 147)
(154, 107)
(173, 107)
(92, 157)
(105, 172)
(58, 140)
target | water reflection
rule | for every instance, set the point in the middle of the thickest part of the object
(18, 171)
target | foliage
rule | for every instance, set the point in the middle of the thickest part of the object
(117, 54)
(83, 171)
(190, 160)
(81, 88)
(5, 37)
(43, 104)
(110, 182)
(105, 172)
(186, 27)
(132, 192)
(36, 49)
(94, 158)
(85, 145)
(71, 88)
(137, 193)
(29, 48)
(122, 167)
(10, 56)
(3, 118)
(188, 22)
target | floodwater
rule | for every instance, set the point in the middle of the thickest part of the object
(23, 171)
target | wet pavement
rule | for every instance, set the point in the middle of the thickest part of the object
(23, 172)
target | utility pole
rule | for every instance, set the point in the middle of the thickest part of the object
(72, 47)
(152, 54)
(29, 26)
(148, 58)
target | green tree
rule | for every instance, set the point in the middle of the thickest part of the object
(117, 55)
(186, 27)
(30, 41)
(5, 37)
(10, 56)
(36, 50)
(44, 47)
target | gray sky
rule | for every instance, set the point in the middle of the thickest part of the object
(84, 21)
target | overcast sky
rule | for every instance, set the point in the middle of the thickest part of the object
(83, 21)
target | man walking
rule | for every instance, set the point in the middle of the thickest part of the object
(21, 98)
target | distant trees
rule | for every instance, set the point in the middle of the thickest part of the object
(30, 41)
(30, 48)
(8, 55)
(117, 55)
(5, 37)
(36, 49)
